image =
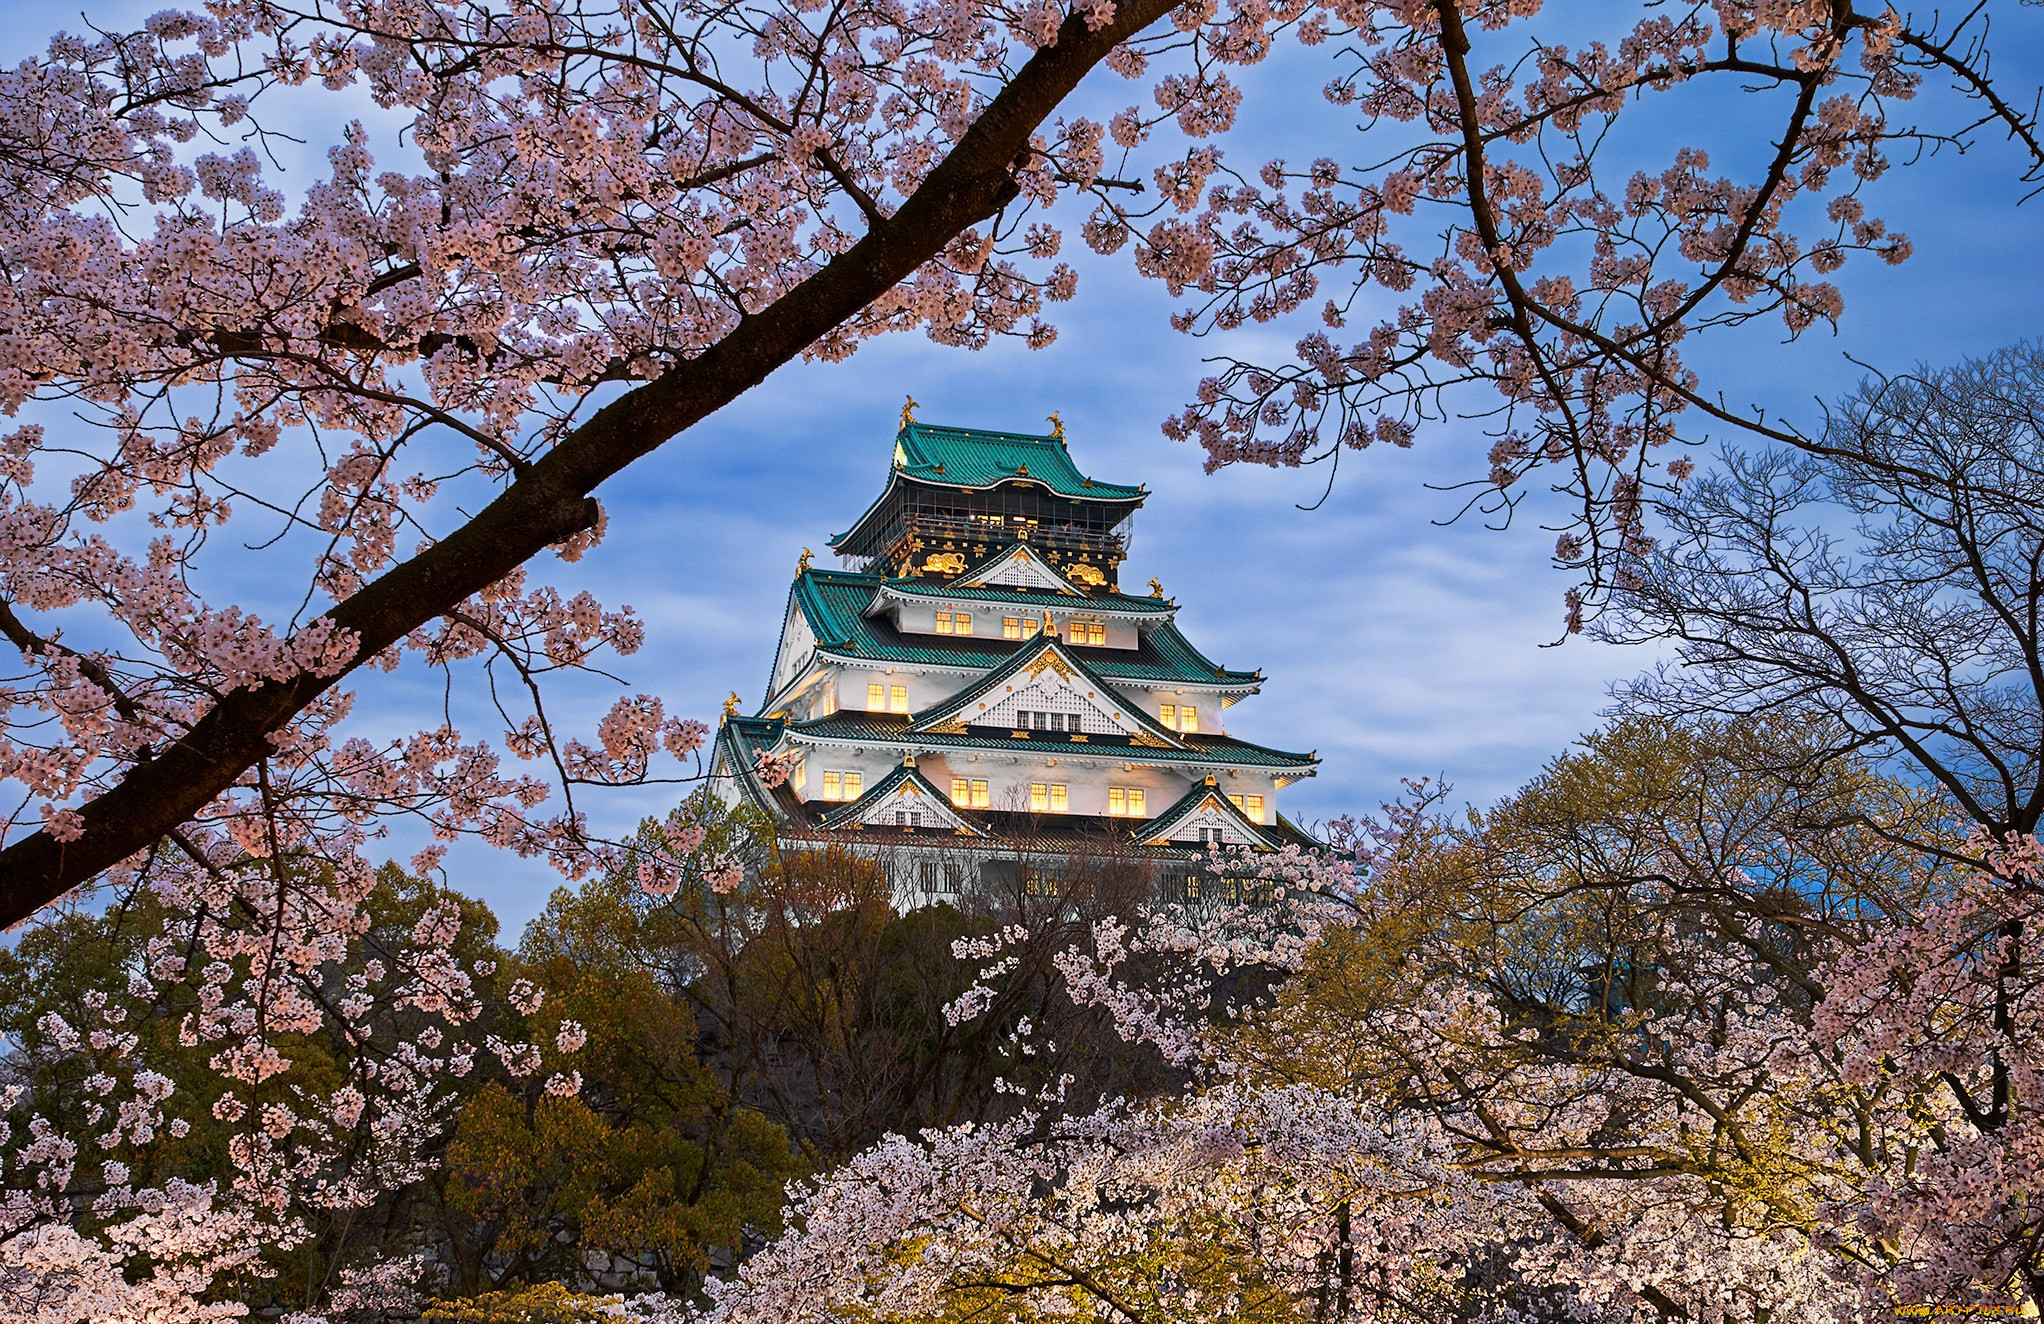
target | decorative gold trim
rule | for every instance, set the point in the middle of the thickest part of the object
(1156, 589)
(1085, 574)
(954, 727)
(1147, 741)
(908, 412)
(731, 704)
(1050, 661)
(802, 565)
(1057, 428)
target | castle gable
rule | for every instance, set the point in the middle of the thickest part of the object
(903, 799)
(1204, 817)
(1044, 688)
(1018, 567)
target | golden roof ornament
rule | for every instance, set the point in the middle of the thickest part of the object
(908, 412)
(731, 704)
(1156, 589)
(1049, 626)
(1057, 428)
(802, 564)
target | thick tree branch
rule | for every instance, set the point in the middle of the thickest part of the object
(552, 501)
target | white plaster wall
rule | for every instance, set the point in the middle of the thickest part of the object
(797, 642)
(1008, 778)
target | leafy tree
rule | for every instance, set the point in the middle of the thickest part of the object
(642, 1156)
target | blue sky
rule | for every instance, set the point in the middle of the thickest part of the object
(1395, 645)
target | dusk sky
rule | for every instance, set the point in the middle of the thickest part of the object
(1395, 646)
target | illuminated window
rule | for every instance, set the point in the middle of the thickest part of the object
(1188, 718)
(980, 798)
(1168, 715)
(1011, 627)
(1088, 632)
(1126, 801)
(800, 777)
(1192, 887)
(855, 785)
(963, 622)
(943, 622)
(1030, 625)
(876, 698)
(833, 786)
(1054, 798)
(961, 791)
(897, 698)
(1252, 805)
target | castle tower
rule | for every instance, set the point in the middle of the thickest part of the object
(980, 680)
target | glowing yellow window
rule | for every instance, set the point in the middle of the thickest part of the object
(833, 786)
(1168, 715)
(1235, 800)
(961, 791)
(876, 698)
(1011, 627)
(1188, 718)
(980, 798)
(855, 785)
(1039, 796)
(1135, 803)
(943, 622)
(897, 698)
(1060, 798)
(1030, 625)
(1117, 802)
(963, 620)
(1252, 805)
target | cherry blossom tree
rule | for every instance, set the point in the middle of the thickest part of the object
(556, 236)
(1815, 1101)
(597, 224)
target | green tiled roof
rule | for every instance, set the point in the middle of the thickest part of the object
(889, 729)
(835, 601)
(1033, 597)
(971, 457)
(742, 740)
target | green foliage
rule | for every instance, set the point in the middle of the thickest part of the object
(653, 1162)
(546, 1303)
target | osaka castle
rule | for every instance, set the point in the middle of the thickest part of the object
(975, 687)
